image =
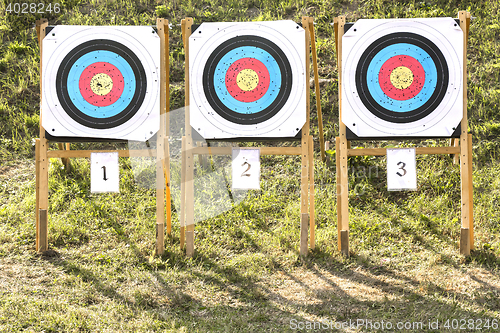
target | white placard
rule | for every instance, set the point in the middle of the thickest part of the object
(104, 173)
(246, 169)
(401, 169)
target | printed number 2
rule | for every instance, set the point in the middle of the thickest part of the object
(401, 168)
(243, 174)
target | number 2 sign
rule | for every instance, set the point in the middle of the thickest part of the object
(246, 169)
(401, 169)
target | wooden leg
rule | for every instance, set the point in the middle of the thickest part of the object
(304, 227)
(182, 218)
(160, 204)
(344, 193)
(466, 192)
(37, 189)
(312, 222)
(471, 187)
(344, 242)
(304, 198)
(339, 196)
(43, 231)
(464, 242)
(189, 199)
(43, 197)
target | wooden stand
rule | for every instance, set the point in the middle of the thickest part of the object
(305, 150)
(42, 154)
(344, 151)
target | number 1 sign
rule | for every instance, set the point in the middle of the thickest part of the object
(246, 169)
(401, 169)
(104, 173)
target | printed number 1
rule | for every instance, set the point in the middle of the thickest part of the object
(104, 171)
(243, 174)
(401, 168)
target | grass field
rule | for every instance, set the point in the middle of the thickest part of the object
(247, 276)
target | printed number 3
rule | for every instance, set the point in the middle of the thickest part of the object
(243, 174)
(401, 168)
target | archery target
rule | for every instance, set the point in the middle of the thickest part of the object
(101, 82)
(402, 77)
(247, 79)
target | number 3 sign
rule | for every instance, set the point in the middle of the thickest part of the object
(246, 169)
(401, 169)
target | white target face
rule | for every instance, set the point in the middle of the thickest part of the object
(247, 79)
(101, 82)
(402, 77)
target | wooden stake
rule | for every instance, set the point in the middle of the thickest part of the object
(183, 195)
(344, 241)
(312, 222)
(339, 189)
(464, 242)
(43, 244)
(471, 202)
(37, 181)
(304, 227)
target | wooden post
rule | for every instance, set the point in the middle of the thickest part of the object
(166, 166)
(304, 197)
(341, 153)
(465, 165)
(43, 174)
(186, 25)
(317, 93)
(162, 26)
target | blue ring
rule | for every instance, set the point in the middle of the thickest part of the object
(402, 49)
(74, 80)
(274, 79)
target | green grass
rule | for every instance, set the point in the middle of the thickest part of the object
(246, 275)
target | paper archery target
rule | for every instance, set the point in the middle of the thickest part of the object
(247, 79)
(402, 77)
(101, 82)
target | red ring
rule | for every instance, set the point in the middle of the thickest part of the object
(97, 68)
(232, 85)
(384, 77)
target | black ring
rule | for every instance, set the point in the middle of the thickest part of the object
(436, 97)
(98, 45)
(276, 105)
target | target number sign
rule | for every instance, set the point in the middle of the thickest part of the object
(246, 169)
(101, 82)
(104, 173)
(401, 169)
(247, 79)
(402, 77)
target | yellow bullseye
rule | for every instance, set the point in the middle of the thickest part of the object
(247, 79)
(401, 77)
(101, 84)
